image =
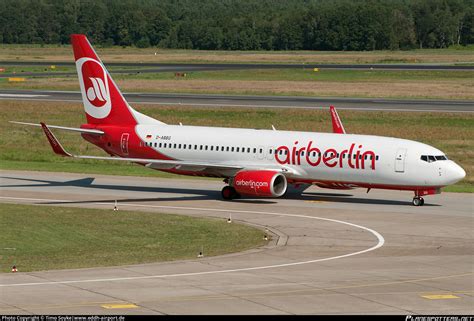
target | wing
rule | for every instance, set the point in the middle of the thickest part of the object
(337, 127)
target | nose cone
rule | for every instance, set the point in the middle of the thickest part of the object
(454, 173)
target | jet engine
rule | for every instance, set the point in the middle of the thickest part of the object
(260, 183)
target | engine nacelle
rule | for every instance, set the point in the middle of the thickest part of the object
(260, 183)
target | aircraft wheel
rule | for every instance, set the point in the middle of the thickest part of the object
(422, 201)
(229, 193)
(417, 201)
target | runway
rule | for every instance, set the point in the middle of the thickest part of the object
(233, 101)
(343, 252)
(158, 67)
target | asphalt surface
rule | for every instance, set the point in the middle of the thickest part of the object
(372, 104)
(344, 252)
(157, 67)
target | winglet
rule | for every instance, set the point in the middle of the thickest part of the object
(55, 144)
(337, 127)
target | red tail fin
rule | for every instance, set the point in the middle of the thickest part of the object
(102, 99)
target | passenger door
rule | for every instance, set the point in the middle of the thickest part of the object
(400, 160)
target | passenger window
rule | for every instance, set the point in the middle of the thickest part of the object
(179, 146)
(255, 151)
(248, 149)
(237, 149)
(195, 146)
(261, 150)
(227, 149)
(184, 146)
(377, 157)
(232, 149)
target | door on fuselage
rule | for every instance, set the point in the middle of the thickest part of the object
(124, 143)
(400, 160)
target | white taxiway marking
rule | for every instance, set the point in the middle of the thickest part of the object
(380, 243)
(22, 95)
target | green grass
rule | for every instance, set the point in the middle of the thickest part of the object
(278, 74)
(456, 54)
(46, 237)
(294, 82)
(26, 148)
(460, 188)
(309, 74)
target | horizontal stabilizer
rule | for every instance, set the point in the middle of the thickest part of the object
(80, 130)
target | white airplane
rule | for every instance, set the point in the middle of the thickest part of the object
(252, 162)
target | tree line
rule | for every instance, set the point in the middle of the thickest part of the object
(242, 24)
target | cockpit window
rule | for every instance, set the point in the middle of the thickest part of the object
(431, 158)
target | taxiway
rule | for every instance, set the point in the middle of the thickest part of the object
(343, 252)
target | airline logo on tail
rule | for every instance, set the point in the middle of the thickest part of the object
(94, 87)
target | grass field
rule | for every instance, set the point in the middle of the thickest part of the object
(26, 148)
(301, 82)
(45, 237)
(461, 55)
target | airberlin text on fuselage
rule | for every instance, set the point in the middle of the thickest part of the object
(313, 156)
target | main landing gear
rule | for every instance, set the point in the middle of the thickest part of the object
(229, 193)
(418, 201)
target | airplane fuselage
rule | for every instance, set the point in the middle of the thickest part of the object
(331, 160)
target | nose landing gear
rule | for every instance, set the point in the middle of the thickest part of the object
(418, 201)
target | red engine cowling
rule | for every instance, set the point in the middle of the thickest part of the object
(260, 183)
